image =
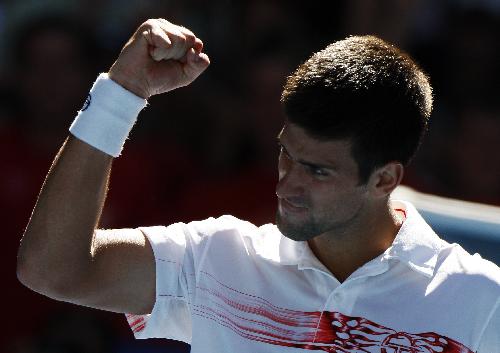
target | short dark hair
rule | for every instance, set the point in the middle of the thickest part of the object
(366, 90)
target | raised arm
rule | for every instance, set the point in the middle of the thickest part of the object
(61, 254)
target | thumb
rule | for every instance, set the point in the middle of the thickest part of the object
(195, 64)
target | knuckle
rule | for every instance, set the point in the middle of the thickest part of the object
(158, 35)
(149, 23)
(189, 35)
(190, 38)
(166, 22)
(147, 26)
(182, 38)
(155, 31)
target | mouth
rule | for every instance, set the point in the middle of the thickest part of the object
(290, 207)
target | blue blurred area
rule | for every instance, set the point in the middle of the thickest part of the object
(474, 226)
(474, 236)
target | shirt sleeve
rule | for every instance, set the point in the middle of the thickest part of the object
(490, 340)
(171, 316)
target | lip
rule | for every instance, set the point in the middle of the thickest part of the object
(290, 207)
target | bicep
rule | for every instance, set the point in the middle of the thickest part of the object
(121, 277)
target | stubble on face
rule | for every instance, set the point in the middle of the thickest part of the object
(338, 222)
(302, 231)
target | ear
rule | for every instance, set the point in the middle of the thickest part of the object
(385, 179)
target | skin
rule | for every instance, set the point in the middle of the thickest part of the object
(61, 255)
(321, 201)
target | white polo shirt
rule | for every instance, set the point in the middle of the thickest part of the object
(225, 285)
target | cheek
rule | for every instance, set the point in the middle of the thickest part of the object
(321, 195)
(334, 196)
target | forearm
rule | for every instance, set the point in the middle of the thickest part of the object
(56, 246)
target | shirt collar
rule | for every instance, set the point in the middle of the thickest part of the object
(416, 244)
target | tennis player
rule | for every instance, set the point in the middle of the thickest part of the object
(344, 269)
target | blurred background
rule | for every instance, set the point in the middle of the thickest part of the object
(209, 149)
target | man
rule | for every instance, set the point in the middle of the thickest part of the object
(345, 270)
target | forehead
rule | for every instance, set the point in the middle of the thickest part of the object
(302, 145)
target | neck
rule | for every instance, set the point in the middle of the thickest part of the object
(343, 252)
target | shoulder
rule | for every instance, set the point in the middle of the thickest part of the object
(226, 234)
(228, 227)
(225, 226)
(220, 226)
(470, 271)
(229, 231)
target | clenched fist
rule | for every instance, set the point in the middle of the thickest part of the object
(159, 57)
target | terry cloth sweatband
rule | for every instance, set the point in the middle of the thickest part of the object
(108, 115)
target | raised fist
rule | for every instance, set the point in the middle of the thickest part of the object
(159, 57)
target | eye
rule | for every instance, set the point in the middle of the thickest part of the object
(317, 171)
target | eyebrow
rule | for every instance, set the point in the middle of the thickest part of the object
(304, 162)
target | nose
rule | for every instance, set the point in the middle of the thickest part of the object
(290, 184)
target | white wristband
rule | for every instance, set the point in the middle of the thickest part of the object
(108, 115)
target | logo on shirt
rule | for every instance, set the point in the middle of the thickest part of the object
(257, 319)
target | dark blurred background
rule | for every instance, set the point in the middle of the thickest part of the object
(209, 149)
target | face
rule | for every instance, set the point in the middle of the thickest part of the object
(318, 189)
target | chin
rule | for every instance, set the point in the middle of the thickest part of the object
(297, 232)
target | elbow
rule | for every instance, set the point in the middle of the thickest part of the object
(32, 277)
(42, 279)
(23, 271)
(49, 270)
(29, 268)
(34, 268)
(27, 279)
